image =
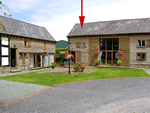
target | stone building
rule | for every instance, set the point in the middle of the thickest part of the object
(23, 44)
(131, 36)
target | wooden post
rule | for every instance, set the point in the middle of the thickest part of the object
(36, 60)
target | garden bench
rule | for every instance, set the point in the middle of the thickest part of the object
(67, 63)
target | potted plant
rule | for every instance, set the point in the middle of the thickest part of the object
(77, 67)
(82, 67)
(53, 64)
(98, 62)
(45, 53)
(119, 62)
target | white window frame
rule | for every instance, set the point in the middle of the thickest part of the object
(85, 45)
(141, 43)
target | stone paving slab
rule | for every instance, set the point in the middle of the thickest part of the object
(65, 70)
(10, 90)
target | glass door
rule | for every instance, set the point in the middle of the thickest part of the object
(109, 57)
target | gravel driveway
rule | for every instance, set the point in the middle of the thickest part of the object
(130, 95)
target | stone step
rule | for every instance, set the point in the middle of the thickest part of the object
(15, 70)
(110, 66)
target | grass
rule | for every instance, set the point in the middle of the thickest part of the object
(59, 78)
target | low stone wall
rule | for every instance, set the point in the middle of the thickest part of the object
(4, 70)
(23, 67)
(140, 65)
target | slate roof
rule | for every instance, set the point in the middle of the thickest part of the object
(20, 28)
(126, 26)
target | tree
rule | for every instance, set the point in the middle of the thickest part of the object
(2, 9)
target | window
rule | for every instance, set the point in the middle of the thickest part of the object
(25, 43)
(141, 43)
(20, 55)
(83, 44)
(102, 44)
(141, 56)
(29, 43)
(25, 54)
(78, 44)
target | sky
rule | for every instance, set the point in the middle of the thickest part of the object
(59, 16)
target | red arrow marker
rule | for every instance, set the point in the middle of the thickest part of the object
(81, 17)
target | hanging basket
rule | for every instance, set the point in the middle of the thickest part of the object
(120, 53)
(67, 56)
(45, 53)
(96, 53)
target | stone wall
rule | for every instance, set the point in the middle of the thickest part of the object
(4, 70)
(84, 51)
(36, 46)
(134, 49)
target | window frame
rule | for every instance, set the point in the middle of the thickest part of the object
(78, 45)
(141, 56)
(83, 46)
(22, 55)
(141, 43)
(26, 43)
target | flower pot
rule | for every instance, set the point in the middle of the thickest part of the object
(82, 70)
(98, 64)
(119, 64)
(53, 67)
(77, 70)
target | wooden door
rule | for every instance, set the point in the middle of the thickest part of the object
(91, 58)
(125, 58)
(124, 44)
(78, 56)
(93, 46)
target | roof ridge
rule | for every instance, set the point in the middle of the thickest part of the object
(21, 21)
(114, 20)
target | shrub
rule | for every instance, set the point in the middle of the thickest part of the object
(60, 57)
(60, 49)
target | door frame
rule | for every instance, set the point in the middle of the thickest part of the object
(108, 51)
(16, 56)
(76, 56)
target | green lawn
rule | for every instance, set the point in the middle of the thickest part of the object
(58, 78)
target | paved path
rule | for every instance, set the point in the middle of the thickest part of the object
(28, 71)
(130, 95)
(10, 91)
(147, 71)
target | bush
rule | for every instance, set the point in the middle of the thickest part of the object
(60, 57)
(60, 49)
(60, 62)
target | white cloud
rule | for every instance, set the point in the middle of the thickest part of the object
(61, 25)
(22, 5)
